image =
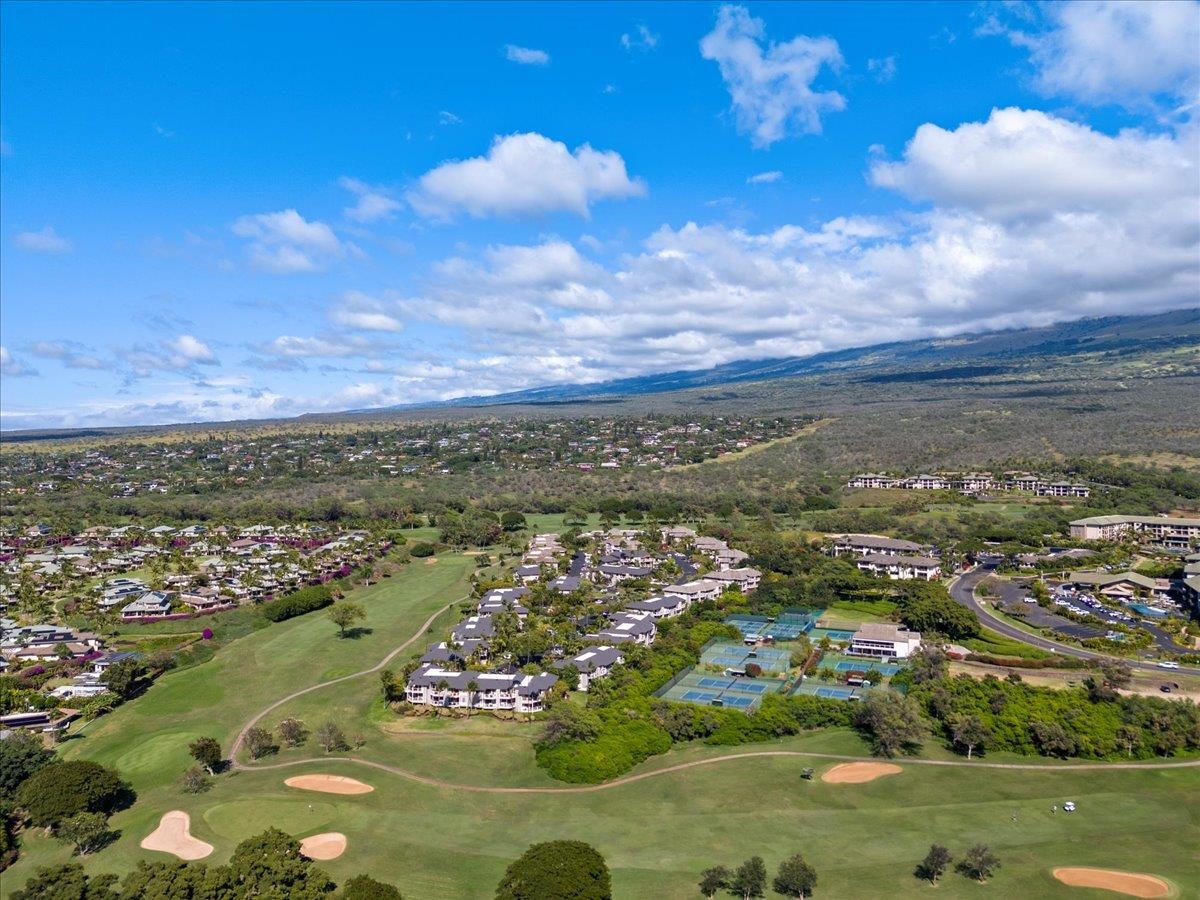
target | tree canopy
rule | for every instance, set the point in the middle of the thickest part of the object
(66, 787)
(557, 870)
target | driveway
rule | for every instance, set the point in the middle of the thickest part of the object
(962, 589)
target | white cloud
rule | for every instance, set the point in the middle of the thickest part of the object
(373, 202)
(362, 312)
(179, 354)
(641, 38)
(524, 174)
(47, 240)
(71, 355)
(882, 69)
(765, 177)
(526, 56)
(772, 85)
(286, 242)
(335, 346)
(188, 350)
(1125, 53)
(445, 117)
(1031, 222)
(1028, 163)
(13, 367)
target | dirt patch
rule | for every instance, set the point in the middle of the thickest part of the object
(1132, 884)
(329, 845)
(329, 784)
(431, 561)
(859, 772)
(173, 835)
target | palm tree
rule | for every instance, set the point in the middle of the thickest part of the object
(472, 687)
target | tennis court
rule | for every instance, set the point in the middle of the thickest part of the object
(837, 635)
(787, 626)
(866, 665)
(693, 686)
(738, 656)
(829, 691)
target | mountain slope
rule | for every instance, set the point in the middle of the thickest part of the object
(1082, 342)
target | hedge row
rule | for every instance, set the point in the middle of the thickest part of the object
(303, 601)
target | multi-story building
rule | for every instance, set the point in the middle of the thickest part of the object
(431, 685)
(884, 641)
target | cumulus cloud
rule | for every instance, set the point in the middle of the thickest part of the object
(765, 177)
(524, 174)
(373, 203)
(526, 56)
(13, 367)
(183, 353)
(1029, 163)
(333, 346)
(1030, 222)
(363, 312)
(1113, 51)
(641, 38)
(47, 240)
(286, 242)
(771, 84)
(70, 354)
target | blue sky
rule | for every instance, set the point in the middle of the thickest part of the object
(236, 211)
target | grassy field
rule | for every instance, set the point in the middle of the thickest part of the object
(658, 833)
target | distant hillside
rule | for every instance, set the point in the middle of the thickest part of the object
(954, 358)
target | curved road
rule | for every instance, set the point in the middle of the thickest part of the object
(962, 589)
(627, 779)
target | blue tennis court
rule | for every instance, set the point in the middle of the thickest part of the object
(697, 686)
(736, 656)
(839, 635)
(866, 665)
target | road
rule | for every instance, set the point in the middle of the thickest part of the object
(962, 589)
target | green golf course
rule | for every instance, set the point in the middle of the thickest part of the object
(446, 820)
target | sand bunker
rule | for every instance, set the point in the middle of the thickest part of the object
(859, 772)
(329, 845)
(173, 835)
(329, 784)
(1132, 884)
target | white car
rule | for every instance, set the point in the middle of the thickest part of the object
(1030, 600)
(1168, 664)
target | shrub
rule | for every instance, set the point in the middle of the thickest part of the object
(557, 870)
(305, 600)
(422, 549)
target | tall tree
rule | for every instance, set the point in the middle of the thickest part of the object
(750, 878)
(796, 878)
(892, 720)
(207, 752)
(85, 831)
(969, 732)
(345, 614)
(21, 754)
(933, 866)
(714, 879)
(979, 863)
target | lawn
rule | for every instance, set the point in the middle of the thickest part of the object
(659, 833)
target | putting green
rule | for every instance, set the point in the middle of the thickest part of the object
(236, 820)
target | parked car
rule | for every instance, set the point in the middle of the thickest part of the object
(1168, 664)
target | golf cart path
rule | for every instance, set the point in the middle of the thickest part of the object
(627, 779)
(241, 738)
